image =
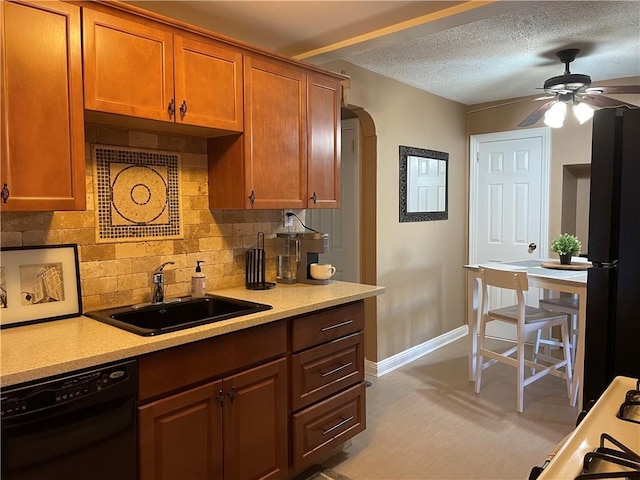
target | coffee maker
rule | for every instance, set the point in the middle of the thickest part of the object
(311, 244)
(288, 256)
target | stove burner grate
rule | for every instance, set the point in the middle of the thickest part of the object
(607, 462)
(630, 409)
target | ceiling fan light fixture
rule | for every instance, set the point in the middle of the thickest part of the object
(575, 89)
(583, 112)
(567, 83)
(554, 117)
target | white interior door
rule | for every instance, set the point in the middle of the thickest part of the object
(342, 224)
(509, 204)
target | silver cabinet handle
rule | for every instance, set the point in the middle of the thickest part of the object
(338, 425)
(330, 372)
(337, 325)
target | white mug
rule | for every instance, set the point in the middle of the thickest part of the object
(322, 271)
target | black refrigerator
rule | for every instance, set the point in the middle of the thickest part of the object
(612, 335)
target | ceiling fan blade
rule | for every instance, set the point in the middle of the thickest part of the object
(613, 89)
(605, 102)
(546, 97)
(537, 114)
(503, 104)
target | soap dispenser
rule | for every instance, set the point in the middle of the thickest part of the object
(198, 282)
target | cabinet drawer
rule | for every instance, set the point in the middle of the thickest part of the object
(175, 368)
(322, 371)
(319, 429)
(326, 325)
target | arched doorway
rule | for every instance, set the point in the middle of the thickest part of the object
(368, 220)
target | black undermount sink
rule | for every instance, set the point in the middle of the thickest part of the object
(176, 314)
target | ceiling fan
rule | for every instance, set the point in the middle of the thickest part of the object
(574, 89)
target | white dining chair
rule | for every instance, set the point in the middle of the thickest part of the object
(527, 319)
(569, 306)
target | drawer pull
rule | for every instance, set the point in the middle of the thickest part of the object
(337, 325)
(338, 425)
(337, 369)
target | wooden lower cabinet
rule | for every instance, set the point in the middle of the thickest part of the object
(234, 429)
(255, 423)
(324, 370)
(181, 436)
(327, 382)
(266, 402)
(324, 426)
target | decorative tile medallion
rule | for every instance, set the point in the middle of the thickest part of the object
(137, 193)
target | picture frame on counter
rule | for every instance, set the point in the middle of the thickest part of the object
(39, 283)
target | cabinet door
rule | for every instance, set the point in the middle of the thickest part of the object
(255, 423)
(181, 436)
(323, 142)
(43, 138)
(208, 81)
(128, 67)
(275, 135)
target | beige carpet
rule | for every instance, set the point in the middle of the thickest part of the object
(424, 421)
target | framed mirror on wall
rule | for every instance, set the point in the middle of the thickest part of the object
(424, 178)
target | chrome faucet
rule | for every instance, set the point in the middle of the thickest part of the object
(157, 295)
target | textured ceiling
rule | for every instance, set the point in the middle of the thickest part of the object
(468, 52)
(491, 59)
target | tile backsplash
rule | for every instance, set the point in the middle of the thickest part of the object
(120, 273)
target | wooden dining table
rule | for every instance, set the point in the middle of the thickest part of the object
(550, 280)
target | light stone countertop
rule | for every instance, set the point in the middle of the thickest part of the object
(36, 351)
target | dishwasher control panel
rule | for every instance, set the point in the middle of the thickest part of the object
(47, 394)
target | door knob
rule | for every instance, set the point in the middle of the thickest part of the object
(532, 247)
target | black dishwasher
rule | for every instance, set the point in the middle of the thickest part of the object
(80, 425)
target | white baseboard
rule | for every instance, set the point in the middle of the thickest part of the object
(377, 369)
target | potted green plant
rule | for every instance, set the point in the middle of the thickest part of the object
(566, 245)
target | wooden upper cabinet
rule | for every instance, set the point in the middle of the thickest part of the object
(43, 165)
(128, 67)
(275, 163)
(143, 70)
(289, 155)
(208, 82)
(323, 142)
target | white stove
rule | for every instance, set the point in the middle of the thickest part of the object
(569, 461)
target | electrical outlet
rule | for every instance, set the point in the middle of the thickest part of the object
(287, 220)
